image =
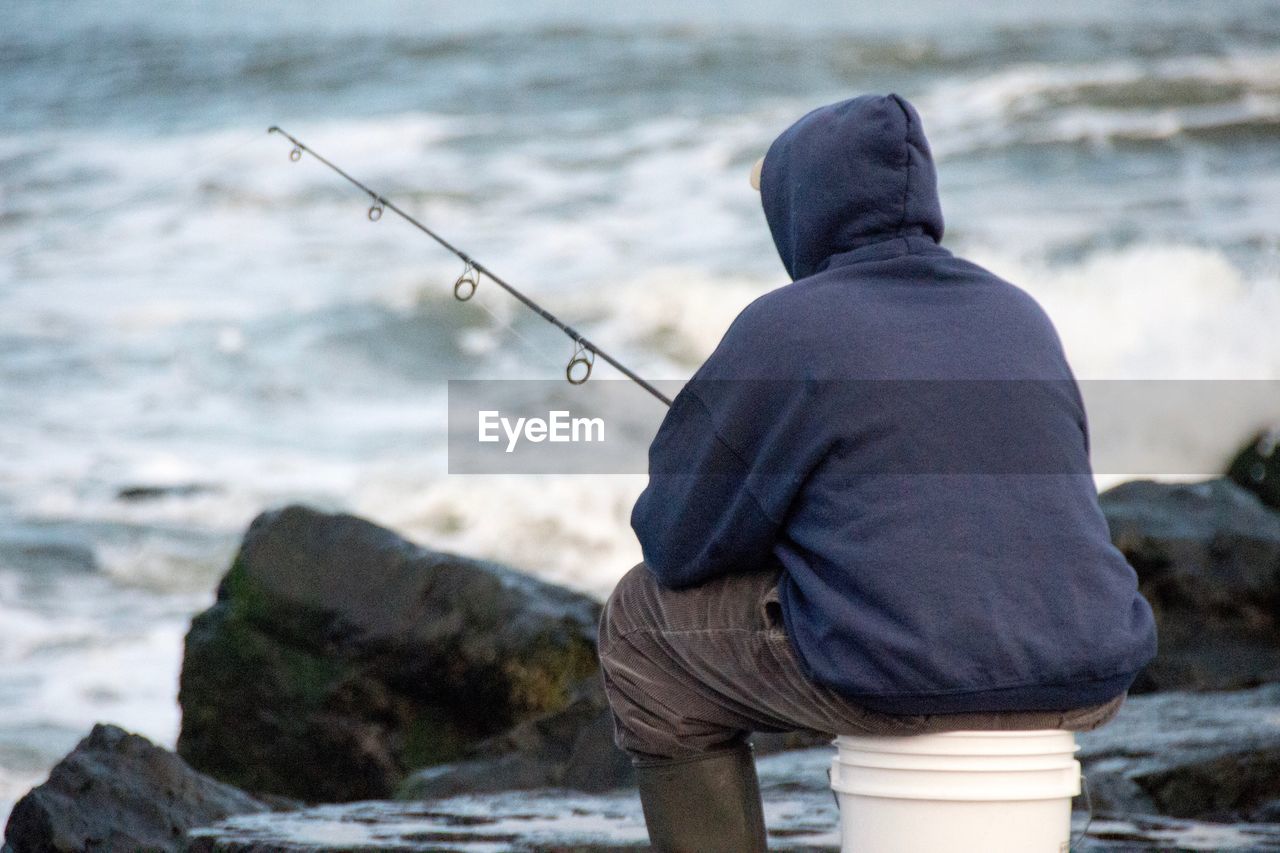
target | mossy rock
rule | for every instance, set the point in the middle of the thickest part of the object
(339, 657)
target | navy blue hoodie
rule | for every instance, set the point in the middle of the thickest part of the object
(898, 431)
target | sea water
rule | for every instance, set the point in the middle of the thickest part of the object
(192, 328)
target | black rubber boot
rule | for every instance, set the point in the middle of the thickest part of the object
(706, 804)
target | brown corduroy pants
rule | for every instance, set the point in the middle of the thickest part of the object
(690, 671)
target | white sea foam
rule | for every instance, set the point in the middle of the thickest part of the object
(1154, 312)
(678, 312)
(1150, 312)
(82, 653)
(1157, 313)
(569, 530)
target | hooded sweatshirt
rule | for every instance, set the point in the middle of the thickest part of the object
(897, 432)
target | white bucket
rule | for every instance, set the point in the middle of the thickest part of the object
(961, 792)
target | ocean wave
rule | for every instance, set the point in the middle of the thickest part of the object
(574, 531)
(677, 313)
(143, 75)
(77, 650)
(1154, 311)
(1038, 104)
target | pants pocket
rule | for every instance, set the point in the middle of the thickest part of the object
(770, 607)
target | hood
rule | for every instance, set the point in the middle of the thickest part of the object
(847, 175)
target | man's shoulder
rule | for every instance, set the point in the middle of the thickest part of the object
(763, 340)
(788, 306)
(997, 284)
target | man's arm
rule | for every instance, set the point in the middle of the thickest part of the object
(724, 469)
(698, 517)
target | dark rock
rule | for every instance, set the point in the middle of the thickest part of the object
(1140, 833)
(339, 657)
(1207, 756)
(1257, 467)
(119, 792)
(151, 493)
(1208, 559)
(1157, 754)
(1268, 812)
(577, 743)
(808, 823)
(515, 771)
(571, 748)
(536, 753)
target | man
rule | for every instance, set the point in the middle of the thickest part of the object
(870, 511)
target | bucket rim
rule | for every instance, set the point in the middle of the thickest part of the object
(961, 743)
(994, 734)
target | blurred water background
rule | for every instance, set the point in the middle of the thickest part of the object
(192, 328)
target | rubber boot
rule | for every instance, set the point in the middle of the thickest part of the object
(709, 803)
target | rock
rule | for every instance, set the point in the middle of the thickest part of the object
(1257, 467)
(1136, 833)
(571, 748)
(1207, 756)
(546, 824)
(119, 792)
(1166, 751)
(145, 492)
(338, 657)
(1208, 559)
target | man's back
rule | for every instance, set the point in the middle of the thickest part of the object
(899, 431)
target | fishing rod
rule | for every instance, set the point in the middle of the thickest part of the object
(577, 371)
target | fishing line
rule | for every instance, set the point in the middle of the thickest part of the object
(508, 326)
(577, 371)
